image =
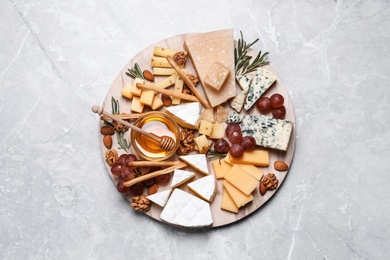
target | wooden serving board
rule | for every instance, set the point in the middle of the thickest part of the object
(220, 216)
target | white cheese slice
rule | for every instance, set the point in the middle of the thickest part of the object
(186, 115)
(160, 198)
(238, 102)
(186, 210)
(180, 177)
(244, 80)
(262, 80)
(204, 187)
(197, 161)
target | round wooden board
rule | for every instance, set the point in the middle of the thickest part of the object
(220, 217)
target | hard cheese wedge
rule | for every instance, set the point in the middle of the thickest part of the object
(204, 187)
(160, 198)
(228, 203)
(238, 102)
(221, 167)
(239, 198)
(180, 177)
(255, 157)
(242, 180)
(186, 115)
(186, 210)
(197, 161)
(205, 49)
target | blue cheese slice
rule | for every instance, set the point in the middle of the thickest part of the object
(186, 210)
(204, 187)
(262, 80)
(233, 118)
(244, 80)
(238, 102)
(160, 198)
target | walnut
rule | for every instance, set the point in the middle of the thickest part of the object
(187, 90)
(180, 58)
(119, 127)
(269, 182)
(111, 156)
(140, 203)
(186, 141)
(194, 79)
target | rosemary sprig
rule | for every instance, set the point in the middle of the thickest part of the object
(114, 106)
(122, 141)
(212, 154)
(242, 60)
(135, 72)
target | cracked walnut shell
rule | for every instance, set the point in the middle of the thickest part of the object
(180, 58)
(140, 203)
(111, 156)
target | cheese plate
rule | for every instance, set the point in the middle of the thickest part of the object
(220, 200)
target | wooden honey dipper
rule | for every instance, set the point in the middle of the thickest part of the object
(165, 142)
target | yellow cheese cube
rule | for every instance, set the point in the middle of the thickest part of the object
(126, 91)
(202, 143)
(255, 157)
(239, 198)
(228, 203)
(221, 167)
(252, 170)
(136, 105)
(205, 127)
(157, 103)
(243, 181)
(169, 81)
(160, 62)
(216, 76)
(218, 131)
(147, 97)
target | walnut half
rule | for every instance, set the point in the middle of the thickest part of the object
(140, 203)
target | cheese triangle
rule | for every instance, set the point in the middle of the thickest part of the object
(160, 198)
(186, 115)
(204, 187)
(180, 177)
(197, 161)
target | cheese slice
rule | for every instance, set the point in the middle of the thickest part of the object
(160, 198)
(262, 80)
(206, 48)
(186, 210)
(255, 157)
(242, 180)
(197, 161)
(245, 80)
(204, 187)
(186, 115)
(216, 76)
(221, 167)
(228, 203)
(180, 177)
(238, 102)
(252, 170)
(239, 198)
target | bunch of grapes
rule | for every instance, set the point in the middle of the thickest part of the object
(274, 104)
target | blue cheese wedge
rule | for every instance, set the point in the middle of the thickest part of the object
(238, 102)
(262, 80)
(160, 198)
(244, 80)
(204, 187)
(180, 177)
(186, 115)
(197, 161)
(186, 210)
(233, 118)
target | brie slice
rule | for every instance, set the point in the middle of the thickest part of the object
(204, 187)
(197, 161)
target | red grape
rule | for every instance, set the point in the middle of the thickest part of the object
(137, 189)
(130, 158)
(277, 100)
(221, 146)
(127, 174)
(232, 127)
(122, 188)
(279, 113)
(143, 170)
(236, 150)
(264, 105)
(116, 169)
(163, 179)
(248, 142)
(235, 137)
(122, 159)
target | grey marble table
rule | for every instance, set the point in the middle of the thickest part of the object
(57, 58)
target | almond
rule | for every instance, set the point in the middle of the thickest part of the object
(107, 141)
(107, 130)
(280, 166)
(262, 188)
(153, 189)
(148, 75)
(166, 99)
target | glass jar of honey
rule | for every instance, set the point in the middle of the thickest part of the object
(159, 124)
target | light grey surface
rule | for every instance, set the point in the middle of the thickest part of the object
(57, 59)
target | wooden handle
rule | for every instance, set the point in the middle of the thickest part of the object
(99, 110)
(154, 174)
(188, 82)
(152, 164)
(167, 92)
